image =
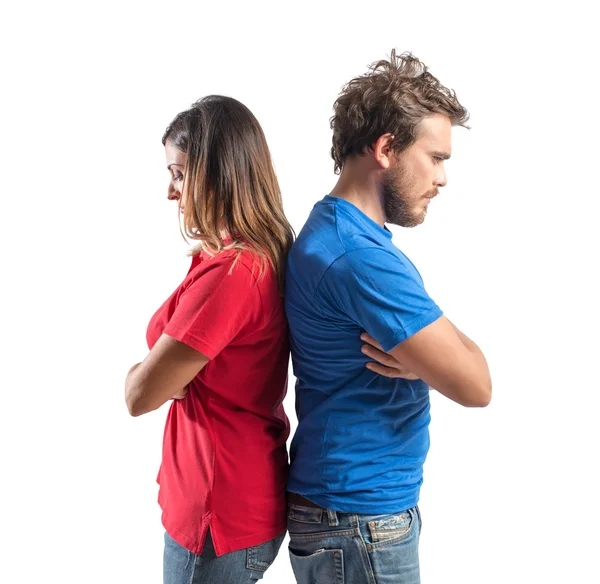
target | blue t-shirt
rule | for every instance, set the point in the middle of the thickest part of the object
(362, 438)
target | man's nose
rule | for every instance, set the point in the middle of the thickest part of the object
(440, 179)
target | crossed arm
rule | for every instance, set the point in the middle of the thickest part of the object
(162, 375)
(443, 357)
(439, 354)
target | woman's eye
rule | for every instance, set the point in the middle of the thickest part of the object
(178, 177)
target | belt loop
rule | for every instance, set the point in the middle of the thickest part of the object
(333, 518)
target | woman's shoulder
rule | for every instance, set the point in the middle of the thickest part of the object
(245, 265)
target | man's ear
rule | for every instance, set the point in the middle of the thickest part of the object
(382, 150)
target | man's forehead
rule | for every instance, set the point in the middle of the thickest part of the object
(436, 131)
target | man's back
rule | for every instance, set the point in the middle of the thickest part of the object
(362, 438)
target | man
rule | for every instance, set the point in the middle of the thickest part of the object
(367, 340)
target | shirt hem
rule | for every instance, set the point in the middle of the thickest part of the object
(195, 544)
(191, 341)
(362, 508)
(414, 326)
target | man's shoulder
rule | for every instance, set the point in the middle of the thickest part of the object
(318, 242)
(330, 233)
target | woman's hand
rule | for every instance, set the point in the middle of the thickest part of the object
(181, 394)
(164, 374)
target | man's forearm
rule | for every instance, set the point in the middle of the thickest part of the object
(472, 347)
(466, 341)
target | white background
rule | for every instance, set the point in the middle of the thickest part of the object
(90, 247)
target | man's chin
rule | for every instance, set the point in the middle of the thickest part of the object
(407, 222)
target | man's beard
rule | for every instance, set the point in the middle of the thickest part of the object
(397, 187)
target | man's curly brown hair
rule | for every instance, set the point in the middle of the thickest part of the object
(393, 97)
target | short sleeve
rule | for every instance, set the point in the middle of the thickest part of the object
(215, 308)
(380, 292)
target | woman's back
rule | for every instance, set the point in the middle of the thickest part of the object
(219, 350)
(224, 453)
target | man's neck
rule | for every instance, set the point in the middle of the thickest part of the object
(360, 187)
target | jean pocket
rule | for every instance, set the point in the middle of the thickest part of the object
(391, 526)
(260, 557)
(318, 567)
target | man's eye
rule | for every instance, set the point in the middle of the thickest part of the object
(437, 159)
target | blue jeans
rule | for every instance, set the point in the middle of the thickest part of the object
(329, 547)
(181, 566)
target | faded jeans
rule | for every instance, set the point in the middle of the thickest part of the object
(181, 566)
(329, 547)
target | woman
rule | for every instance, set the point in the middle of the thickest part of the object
(219, 349)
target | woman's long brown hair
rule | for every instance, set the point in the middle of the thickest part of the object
(230, 185)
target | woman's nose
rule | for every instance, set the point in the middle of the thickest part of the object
(173, 193)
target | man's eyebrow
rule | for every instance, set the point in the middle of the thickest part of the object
(440, 154)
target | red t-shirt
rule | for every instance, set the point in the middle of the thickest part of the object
(224, 463)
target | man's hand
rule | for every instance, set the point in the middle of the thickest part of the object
(386, 365)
